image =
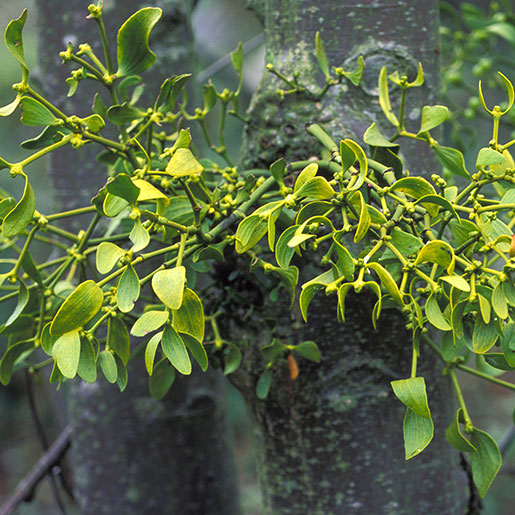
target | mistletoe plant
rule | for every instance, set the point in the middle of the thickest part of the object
(441, 253)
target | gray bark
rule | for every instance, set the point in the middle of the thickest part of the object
(331, 441)
(133, 454)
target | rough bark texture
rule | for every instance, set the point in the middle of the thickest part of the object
(133, 454)
(331, 442)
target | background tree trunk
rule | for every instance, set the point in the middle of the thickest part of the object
(133, 454)
(331, 441)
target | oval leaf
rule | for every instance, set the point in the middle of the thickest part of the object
(168, 285)
(175, 350)
(66, 353)
(78, 309)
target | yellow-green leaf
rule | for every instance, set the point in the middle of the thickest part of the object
(78, 309)
(437, 251)
(418, 433)
(20, 216)
(168, 285)
(412, 393)
(183, 163)
(66, 353)
(175, 350)
(189, 318)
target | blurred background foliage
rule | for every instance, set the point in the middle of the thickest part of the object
(477, 39)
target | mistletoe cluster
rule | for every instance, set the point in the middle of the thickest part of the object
(440, 252)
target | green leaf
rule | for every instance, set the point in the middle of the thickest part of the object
(118, 338)
(122, 186)
(497, 360)
(250, 231)
(412, 393)
(9, 109)
(316, 188)
(305, 175)
(93, 123)
(347, 155)
(418, 433)
(237, 58)
(47, 340)
(149, 193)
(14, 40)
(112, 206)
(197, 350)
(150, 351)
(108, 365)
(432, 116)
(406, 243)
(139, 236)
(355, 75)
(9, 358)
(98, 106)
(434, 314)
(128, 289)
(277, 170)
(189, 318)
(416, 187)
(387, 281)
(508, 288)
(357, 181)
(298, 239)
(175, 350)
(384, 98)
(321, 57)
(457, 281)
(452, 160)
(66, 353)
(48, 136)
(484, 335)
(134, 54)
(29, 267)
(78, 309)
(437, 251)
(429, 200)
(345, 262)
(508, 343)
(485, 462)
(176, 85)
(161, 380)
(34, 113)
(20, 216)
(311, 288)
(232, 360)
(108, 254)
(87, 367)
(488, 157)
(121, 374)
(124, 114)
(455, 436)
(6, 205)
(485, 308)
(168, 285)
(374, 138)
(308, 350)
(183, 164)
(263, 384)
(283, 252)
(364, 219)
(462, 231)
(23, 298)
(148, 322)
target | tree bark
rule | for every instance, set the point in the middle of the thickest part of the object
(331, 441)
(133, 454)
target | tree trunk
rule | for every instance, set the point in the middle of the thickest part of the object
(133, 454)
(331, 441)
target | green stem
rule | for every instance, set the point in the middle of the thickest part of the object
(88, 66)
(463, 406)
(494, 380)
(105, 44)
(180, 253)
(24, 250)
(72, 212)
(46, 150)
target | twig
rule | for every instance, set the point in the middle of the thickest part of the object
(39, 471)
(42, 437)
